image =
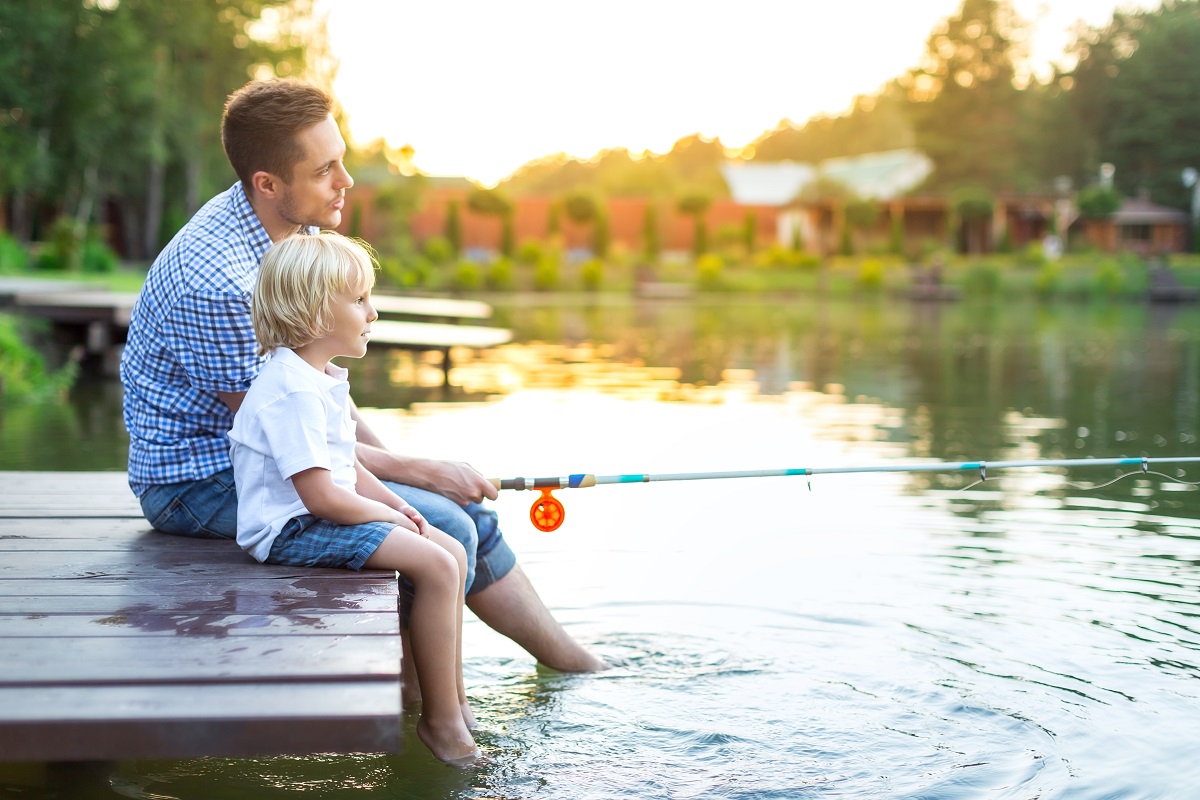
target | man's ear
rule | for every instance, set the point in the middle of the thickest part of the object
(265, 184)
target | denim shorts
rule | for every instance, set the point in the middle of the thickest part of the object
(308, 541)
(207, 508)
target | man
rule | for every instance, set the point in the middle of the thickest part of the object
(191, 356)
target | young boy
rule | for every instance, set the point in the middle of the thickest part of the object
(303, 497)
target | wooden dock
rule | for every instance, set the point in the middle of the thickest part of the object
(119, 642)
(98, 321)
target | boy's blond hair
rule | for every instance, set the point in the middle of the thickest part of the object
(297, 281)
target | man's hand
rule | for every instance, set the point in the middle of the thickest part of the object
(460, 482)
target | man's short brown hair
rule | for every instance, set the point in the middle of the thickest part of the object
(260, 124)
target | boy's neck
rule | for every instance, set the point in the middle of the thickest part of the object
(313, 356)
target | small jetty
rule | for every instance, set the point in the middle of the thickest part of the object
(95, 322)
(119, 642)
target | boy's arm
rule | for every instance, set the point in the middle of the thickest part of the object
(325, 499)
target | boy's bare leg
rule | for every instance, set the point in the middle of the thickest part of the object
(455, 547)
(437, 589)
(511, 606)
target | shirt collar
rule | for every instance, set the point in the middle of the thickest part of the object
(333, 373)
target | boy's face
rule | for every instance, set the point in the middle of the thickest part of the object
(352, 318)
(317, 190)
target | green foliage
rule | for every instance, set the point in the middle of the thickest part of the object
(120, 102)
(750, 232)
(870, 274)
(454, 228)
(694, 204)
(601, 236)
(506, 235)
(965, 105)
(1109, 279)
(1005, 245)
(972, 203)
(97, 257)
(489, 202)
(797, 239)
(553, 224)
(591, 274)
(581, 207)
(501, 276)
(709, 269)
(846, 242)
(23, 373)
(700, 237)
(439, 250)
(546, 273)
(13, 257)
(896, 235)
(1098, 201)
(651, 241)
(875, 124)
(529, 252)
(982, 279)
(1049, 279)
(467, 276)
(862, 214)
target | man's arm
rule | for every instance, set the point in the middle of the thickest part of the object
(453, 479)
(232, 399)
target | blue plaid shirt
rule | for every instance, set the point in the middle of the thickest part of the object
(190, 336)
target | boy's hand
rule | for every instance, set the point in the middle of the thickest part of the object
(413, 520)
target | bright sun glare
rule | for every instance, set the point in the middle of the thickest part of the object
(480, 88)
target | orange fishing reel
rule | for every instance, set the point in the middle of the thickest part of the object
(547, 513)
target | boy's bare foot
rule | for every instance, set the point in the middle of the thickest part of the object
(468, 716)
(451, 744)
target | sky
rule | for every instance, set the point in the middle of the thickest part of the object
(479, 87)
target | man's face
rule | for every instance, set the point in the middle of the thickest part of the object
(319, 182)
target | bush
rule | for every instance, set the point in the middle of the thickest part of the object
(1109, 279)
(501, 276)
(591, 274)
(529, 251)
(870, 274)
(1049, 279)
(466, 277)
(23, 373)
(546, 274)
(708, 271)
(438, 249)
(13, 257)
(98, 257)
(983, 279)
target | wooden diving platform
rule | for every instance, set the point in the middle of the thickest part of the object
(120, 642)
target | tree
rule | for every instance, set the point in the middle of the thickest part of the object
(651, 241)
(1151, 104)
(454, 227)
(1098, 202)
(695, 204)
(965, 103)
(494, 203)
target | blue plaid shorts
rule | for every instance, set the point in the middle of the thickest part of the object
(308, 541)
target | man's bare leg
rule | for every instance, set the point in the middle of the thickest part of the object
(511, 606)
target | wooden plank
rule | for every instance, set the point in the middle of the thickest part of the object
(151, 621)
(436, 307)
(145, 660)
(86, 306)
(435, 335)
(117, 641)
(186, 721)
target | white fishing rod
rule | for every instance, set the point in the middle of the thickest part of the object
(548, 513)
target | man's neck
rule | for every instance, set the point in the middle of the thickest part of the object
(276, 226)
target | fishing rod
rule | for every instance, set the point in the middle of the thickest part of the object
(547, 513)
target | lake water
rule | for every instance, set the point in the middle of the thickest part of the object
(864, 635)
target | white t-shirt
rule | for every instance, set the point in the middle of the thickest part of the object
(293, 418)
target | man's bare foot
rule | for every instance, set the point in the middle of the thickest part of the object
(576, 659)
(451, 744)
